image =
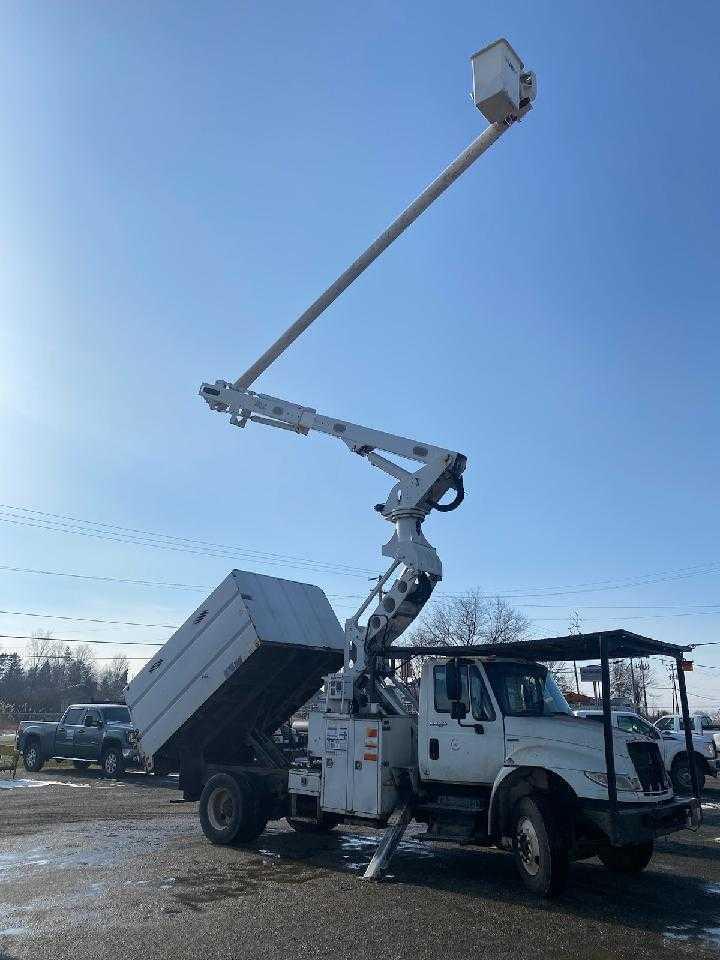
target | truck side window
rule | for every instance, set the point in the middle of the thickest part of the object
(631, 724)
(94, 715)
(442, 704)
(482, 708)
(73, 716)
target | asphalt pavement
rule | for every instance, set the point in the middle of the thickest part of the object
(95, 868)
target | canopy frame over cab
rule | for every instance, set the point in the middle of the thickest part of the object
(603, 645)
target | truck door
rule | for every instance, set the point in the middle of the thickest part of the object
(461, 751)
(88, 739)
(66, 732)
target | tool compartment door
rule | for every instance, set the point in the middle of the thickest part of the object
(366, 768)
(337, 766)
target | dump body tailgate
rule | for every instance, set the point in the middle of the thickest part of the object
(252, 653)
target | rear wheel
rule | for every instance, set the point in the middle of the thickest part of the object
(32, 758)
(541, 856)
(631, 859)
(681, 778)
(229, 811)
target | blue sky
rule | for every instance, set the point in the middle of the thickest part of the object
(178, 184)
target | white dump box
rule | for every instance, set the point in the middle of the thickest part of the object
(243, 662)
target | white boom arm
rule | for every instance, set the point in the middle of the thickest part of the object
(409, 502)
(503, 91)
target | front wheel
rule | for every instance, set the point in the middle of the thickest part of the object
(113, 763)
(541, 857)
(682, 779)
(32, 758)
(631, 859)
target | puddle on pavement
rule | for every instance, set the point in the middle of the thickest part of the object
(19, 862)
(13, 932)
(708, 935)
(24, 784)
(195, 891)
(705, 930)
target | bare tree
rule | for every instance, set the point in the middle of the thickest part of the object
(470, 619)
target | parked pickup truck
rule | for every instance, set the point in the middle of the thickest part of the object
(671, 741)
(87, 733)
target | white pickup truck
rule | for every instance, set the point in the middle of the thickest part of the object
(670, 735)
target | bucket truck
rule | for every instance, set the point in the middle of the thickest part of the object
(487, 753)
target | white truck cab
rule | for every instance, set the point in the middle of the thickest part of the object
(517, 717)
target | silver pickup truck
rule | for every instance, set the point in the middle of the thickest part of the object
(87, 733)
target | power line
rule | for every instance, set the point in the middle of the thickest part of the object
(60, 523)
(59, 616)
(7, 568)
(60, 656)
(56, 517)
(112, 643)
(115, 533)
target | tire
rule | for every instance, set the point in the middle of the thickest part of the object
(681, 779)
(631, 859)
(229, 810)
(32, 757)
(113, 763)
(81, 764)
(541, 856)
(312, 826)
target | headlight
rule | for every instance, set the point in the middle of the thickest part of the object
(624, 784)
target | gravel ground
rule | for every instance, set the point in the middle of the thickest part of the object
(92, 868)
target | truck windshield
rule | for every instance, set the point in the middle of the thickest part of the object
(116, 714)
(526, 690)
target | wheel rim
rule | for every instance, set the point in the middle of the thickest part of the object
(31, 757)
(683, 776)
(221, 808)
(110, 763)
(528, 846)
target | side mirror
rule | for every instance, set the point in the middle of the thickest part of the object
(458, 710)
(453, 682)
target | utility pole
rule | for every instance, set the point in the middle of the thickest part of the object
(576, 628)
(671, 672)
(636, 698)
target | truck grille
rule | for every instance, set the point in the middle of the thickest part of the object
(649, 765)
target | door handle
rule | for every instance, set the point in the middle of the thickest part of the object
(434, 748)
